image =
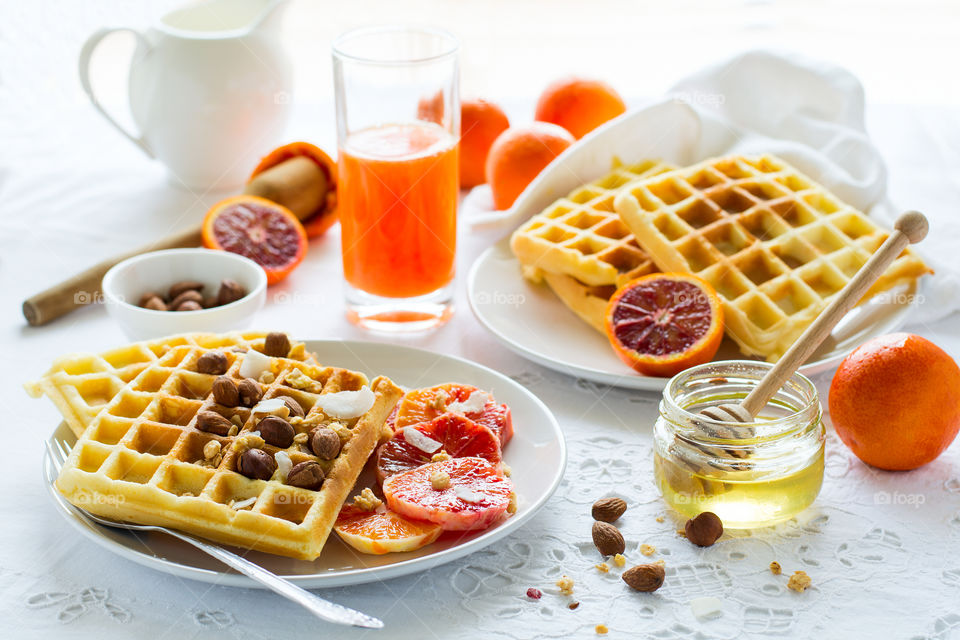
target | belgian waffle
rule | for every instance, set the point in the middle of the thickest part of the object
(143, 458)
(774, 244)
(582, 236)
(81, 384)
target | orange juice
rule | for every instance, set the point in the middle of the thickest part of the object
(397, 201)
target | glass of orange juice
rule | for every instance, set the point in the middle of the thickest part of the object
(398, 126)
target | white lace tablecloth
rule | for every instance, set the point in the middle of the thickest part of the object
(881, 548)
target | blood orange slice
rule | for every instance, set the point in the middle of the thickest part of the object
(456, 435)
(475, 496)
(379, 532)
(423, 405)
(264, 231)
(663, 323)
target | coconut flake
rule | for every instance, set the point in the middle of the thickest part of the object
(347, 404)
(243, 504)
(254, 363)
(474, 403)
(706, 607)
(272, 407)
(284, 464)
(420, 440)
(467, 495)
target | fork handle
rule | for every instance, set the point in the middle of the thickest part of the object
(323, 609)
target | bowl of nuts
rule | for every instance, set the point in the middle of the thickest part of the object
(184, 291)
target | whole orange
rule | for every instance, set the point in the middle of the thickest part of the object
(518, 155)
(895, 401)
(480, 124)
(579, 105)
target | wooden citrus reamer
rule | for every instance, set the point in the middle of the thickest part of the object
(299, 184)
(910, 228)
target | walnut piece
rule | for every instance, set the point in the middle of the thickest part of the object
(619, 560)
(603, 567)
(251, 440)
(566, 585)
(648, 549)
(366, 500)
(440, 480)
(440, 456)
(299, 380)
(775, 568)
(211, 449)
(799, 581)
(439, 401)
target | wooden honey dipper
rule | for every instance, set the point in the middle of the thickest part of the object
(298, 183)
(910, 228)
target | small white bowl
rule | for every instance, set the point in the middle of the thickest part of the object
(156, 271)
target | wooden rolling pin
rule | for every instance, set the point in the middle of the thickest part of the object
(299, 184)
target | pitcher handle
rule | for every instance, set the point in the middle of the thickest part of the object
(84, 67)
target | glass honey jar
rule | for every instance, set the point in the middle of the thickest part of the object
(750, 474)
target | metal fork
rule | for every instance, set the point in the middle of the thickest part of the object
(323, 609)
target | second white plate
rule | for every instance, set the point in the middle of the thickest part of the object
(530, 320)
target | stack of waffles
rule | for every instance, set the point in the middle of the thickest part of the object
(774, 244)
(223, 437)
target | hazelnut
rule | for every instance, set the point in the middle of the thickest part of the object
(213, 363)
(644, 577)
(213, 422)
(187, 296)
(607, 538)
(256, 464)
(188, 305)
(608, 509)
(276, 345)
(250, 392)
(154, 303)
(225, 392)
(325, 443)
(230, 291)
(307, 475)
(276, 431)
(184, 285)
(704, 530)
(295, 409)
(145, 298)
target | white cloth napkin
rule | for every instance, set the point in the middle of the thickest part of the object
(809, 112)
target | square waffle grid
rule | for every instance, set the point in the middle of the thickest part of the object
(582, 236)
(774, 244)
(142, 458)
(81, 384)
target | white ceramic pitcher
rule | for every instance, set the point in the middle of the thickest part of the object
(210, 87)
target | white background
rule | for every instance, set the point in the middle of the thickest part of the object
(73, 192)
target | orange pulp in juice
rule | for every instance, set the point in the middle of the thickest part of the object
(397, 192)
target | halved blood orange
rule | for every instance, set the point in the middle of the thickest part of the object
(264, 231)
(325, 216)
(457, 435)
(423, 405)
(379, 532)
(663, 323)
(477, 495)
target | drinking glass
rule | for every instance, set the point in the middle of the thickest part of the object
(398, 128)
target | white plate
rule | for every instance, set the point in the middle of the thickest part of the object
(536, 454)
(530, 320)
